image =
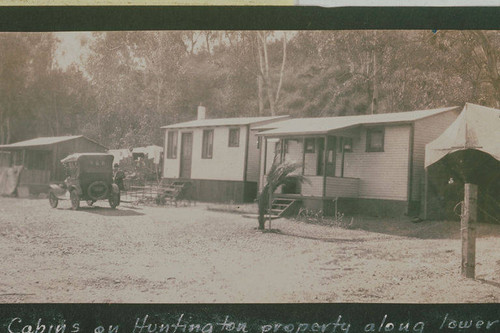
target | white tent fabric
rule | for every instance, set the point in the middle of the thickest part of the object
(477, 127)
(153, 152)
(119, 154)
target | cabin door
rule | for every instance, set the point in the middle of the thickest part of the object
(186, 155)
(331, 156)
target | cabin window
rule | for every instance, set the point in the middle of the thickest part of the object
(310, 145)
(345, 145)
(234, 137)
(375, 139)
(172, 145)
(208, 144)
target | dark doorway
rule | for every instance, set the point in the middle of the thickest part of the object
(321, 153)
(446, 180)
(186, 155)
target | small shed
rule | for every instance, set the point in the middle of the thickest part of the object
(41, 157)
(468, 151)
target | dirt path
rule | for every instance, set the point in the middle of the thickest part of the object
(186, 254)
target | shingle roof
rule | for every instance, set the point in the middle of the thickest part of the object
(44, 141)
(223, 122)
(303, 126)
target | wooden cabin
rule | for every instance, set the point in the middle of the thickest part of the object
(41, 157)
(220, 157)
(370, 164)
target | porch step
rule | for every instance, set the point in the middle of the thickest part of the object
(279, 206)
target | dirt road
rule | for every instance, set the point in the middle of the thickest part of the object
(186, 254)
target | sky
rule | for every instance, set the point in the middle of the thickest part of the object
(70, 49)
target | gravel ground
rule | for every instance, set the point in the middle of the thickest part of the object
(191, 254)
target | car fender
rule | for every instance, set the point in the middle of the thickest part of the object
(57, 190)
(115, 189)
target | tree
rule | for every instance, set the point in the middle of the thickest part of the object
(474, 56)
(258, 55)
(135, 78)
(279, 174)
(14, 48)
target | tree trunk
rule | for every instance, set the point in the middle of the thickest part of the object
(267, 76)
(7, 139)
(56, 111)
(270, 97)
(374, 84)
(491, 63)
(263, 202)
(158, 95)
(282, 69)
(2, 138)
(261, 97)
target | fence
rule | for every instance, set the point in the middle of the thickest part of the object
(139, 191)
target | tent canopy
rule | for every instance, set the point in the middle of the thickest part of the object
(477, 127)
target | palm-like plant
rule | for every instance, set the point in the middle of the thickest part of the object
(279, 174)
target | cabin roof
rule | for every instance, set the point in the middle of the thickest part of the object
(77, 156)
(45, 141)
(223, 122)
(324, 125)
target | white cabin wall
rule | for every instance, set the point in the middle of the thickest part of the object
(383, 175)
(227, 163)
(171, 166)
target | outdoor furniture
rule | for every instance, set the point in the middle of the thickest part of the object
(174, 192)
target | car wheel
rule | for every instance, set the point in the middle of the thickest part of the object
(53, 200)
(114, 200)
(75, 199)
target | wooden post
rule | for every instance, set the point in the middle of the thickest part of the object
(270, 206)
(303, 154)
(325, 160)
(343, 157)
(468, 227)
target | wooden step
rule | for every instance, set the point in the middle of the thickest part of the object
(280, 205)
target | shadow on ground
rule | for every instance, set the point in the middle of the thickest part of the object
(404, 227)
(323, 239)
(488, 282)
(108, 211)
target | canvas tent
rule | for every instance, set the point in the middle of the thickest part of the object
(151, 152)
(468, 151)
(477, 127)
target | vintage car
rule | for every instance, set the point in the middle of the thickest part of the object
(89, 178)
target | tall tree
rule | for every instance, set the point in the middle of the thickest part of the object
(14, 48)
